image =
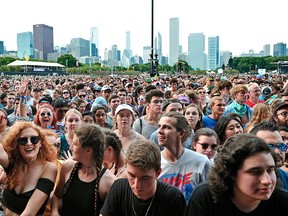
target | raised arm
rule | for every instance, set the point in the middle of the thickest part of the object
(4, 160)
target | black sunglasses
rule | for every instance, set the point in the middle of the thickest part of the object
(62, 111)
(205, 146)
(46, 113)
(24, 140)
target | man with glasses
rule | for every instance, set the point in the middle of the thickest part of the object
(254, 93)
(280, 114)
(269, 132)
(240, 94)
(148, 123)
(60, 107)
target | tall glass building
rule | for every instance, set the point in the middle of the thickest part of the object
(213, 53)
(196, 51)
(25, 45)
(94, 41)
(279, 49)
(173, 41)
(43, 40)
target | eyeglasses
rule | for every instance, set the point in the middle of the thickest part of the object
(46, 113)
(206, 145)
(141, 99)
(157, 101)
(243, 93)
(82, 96)
(281, 146)
(46, 95)
(65, 92)
(284, 114)
(62, 111)
(201, 92)
(24, 140)
(220, 105)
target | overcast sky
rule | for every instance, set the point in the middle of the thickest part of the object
(241, 25)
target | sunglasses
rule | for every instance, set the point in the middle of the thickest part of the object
(141, 99)
(46, 95)
(281, 146)
(82, 96)
(205, 146)
(47, 113)
(65, 92)
(201, 92)
(24, 140)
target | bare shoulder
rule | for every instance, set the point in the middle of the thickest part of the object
(106, 182)
(67, 165)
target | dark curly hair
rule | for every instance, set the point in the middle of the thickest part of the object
(228, 161)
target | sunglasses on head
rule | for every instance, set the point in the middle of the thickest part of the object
(24, 140)
(46, 113)
(205, 146)
(281, 146)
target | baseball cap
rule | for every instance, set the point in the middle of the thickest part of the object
(97, 88)
(128, 84)
(123, 107)
(100, 101)
(46, 99)
(148, 80)
(36, 89)
(106, 87)
(266, 90)
(278, 106)
(60, 102)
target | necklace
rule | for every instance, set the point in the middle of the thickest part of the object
(147, 208)
(89, 165)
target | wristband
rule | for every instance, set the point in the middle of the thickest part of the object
(23, 97)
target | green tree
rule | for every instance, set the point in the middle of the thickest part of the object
(67, 60)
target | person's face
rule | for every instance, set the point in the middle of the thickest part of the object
(202, 94)
(281, 117)
(45, 117)
(141, 100)
(168, 135)
(60, 112)
(77, 149)
(114, 103)
(124, 119)
(232, 128)
(29, 151)
(174, 86)
(192, 116)
(206, 145)
(10, 100)
(82, 107)
(241, 97)
(218, 107)
(82, 95)
(66, 94)
(128, 100)
(155, 106)
(106, 94)
(174, 107)
(273, 138)
(72, 121)
(142, 182)
(225, 92)
(100, 116)
(88, 119)
(256, 178)
(255, 92)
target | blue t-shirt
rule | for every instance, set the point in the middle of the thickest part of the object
(208, 122)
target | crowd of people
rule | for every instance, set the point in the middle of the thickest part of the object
(136, 145)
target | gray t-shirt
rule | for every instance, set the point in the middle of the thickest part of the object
(146, 130)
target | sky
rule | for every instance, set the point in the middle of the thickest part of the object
(241, 25)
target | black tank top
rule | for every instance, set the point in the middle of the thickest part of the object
(80, 198)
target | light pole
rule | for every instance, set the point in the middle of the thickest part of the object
(153, 58)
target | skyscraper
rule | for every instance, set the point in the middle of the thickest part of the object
(25, 45)
(173, 41)
(196, 49)
(266, 50)
(128, 40)
(43, 40)
(213, 53)
(158, 47)
(94, 41)
(127, 54)
(279, 49)
(79, 47)
(1, 47)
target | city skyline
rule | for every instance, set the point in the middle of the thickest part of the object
(241, 28)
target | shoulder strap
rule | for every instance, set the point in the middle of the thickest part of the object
(141, 125)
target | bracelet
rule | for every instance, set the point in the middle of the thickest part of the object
(23, 97)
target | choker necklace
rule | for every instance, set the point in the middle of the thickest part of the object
(147, 208)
